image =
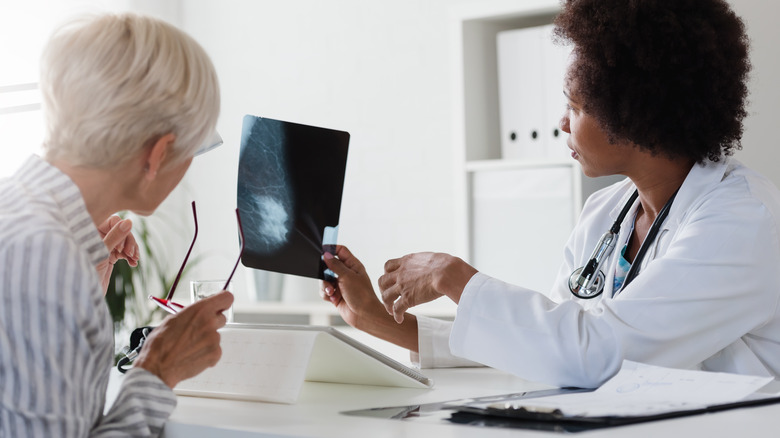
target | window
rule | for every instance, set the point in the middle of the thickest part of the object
(21, 124)
(24, 28)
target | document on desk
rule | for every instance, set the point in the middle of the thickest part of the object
(270, 362)
(257, 366)
(645, 390)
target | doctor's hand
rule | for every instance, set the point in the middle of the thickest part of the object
(119, 240)
(352, 293)
(359, 305)
(186, 343)
(421, 277)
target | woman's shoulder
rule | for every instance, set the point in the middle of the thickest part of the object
(733, 183)
(755, 184)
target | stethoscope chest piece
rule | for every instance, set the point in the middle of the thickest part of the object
(582, 288)
(588, 281)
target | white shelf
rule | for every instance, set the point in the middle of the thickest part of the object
(497, 10)
(323, 313)
(502, 201)
(318, 313)
(487, 165)
(476, 131)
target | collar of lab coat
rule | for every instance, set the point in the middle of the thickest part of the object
(698, 180)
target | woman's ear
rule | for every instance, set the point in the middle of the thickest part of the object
(156, 155)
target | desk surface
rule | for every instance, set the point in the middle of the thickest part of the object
(317, 412)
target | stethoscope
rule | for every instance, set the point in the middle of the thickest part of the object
(588, 281)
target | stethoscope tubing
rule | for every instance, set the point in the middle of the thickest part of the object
(588, 281)
(633, 271)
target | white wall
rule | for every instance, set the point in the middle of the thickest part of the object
(761, 150)
(380, 70)
(24, 29)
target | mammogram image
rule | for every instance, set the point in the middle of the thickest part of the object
(290, 181)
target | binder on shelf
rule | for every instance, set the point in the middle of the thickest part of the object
(531, 71)
(520, 78)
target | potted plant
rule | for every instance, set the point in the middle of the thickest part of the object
(129, 288)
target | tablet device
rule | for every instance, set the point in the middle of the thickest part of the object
(339, 358)
(290, 182)
(268, 362)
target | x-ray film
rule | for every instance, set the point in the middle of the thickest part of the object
(290, 181)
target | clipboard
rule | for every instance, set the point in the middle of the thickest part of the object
(637, 393)
(554, 420)
(480, 412)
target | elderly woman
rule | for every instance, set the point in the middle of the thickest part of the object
(128, 102)
(656, 92)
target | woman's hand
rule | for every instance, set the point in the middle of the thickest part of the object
(418, 278)
(118, 238)
(352, 294)
(358, 304)
(186, 343)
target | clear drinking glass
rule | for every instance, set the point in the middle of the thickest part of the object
(200, 289)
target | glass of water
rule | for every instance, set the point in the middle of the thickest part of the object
(200, 289)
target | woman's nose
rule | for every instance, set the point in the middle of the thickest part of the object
(564, 123)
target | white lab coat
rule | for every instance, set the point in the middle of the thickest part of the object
(706, 297)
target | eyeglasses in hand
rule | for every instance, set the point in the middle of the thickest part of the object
(167, 303)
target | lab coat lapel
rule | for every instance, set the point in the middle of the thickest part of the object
(699, 180)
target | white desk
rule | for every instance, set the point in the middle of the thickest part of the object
(317, 412)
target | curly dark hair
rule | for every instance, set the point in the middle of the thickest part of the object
(667, 75)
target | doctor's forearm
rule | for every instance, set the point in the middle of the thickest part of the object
(384, 327)
(451, 279)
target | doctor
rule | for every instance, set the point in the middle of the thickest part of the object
(656, 92)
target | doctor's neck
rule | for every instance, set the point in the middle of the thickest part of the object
(658, 178)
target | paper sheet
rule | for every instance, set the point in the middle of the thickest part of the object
(639, 389)
(266, 362)
(255, 365)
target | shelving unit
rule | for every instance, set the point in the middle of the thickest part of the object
(518, 244)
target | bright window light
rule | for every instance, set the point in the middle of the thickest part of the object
(21, 125)
(24, 28)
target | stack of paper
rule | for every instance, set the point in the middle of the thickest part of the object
(643, 390)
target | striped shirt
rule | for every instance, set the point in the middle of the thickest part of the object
(56, 336)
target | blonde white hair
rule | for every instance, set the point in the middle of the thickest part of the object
(113, 84)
